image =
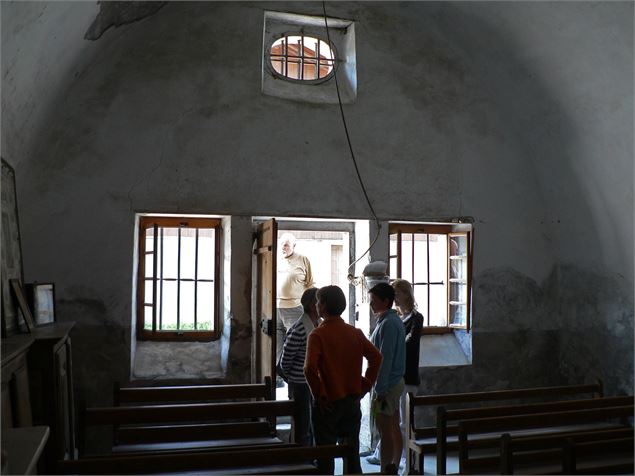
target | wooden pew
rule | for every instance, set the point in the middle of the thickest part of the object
(285, 459)
(520, 452)
(125, 396)
(609, 456)
(211, 420)
(422, 440)
(565, 421)
(446, 416)
(152, 433)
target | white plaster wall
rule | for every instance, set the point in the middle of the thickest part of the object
(579, 133)
(513, 113)
(42, 53)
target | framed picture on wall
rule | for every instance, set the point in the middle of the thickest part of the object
(20, 296)
(41, 297)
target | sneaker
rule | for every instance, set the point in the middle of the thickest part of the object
(372, 459)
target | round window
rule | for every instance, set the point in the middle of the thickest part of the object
(302, 58)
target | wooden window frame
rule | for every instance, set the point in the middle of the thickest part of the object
(147, 222)
(440, 229)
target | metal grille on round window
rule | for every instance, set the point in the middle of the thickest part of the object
(302, 58)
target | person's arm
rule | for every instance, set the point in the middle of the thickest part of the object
(308, 280)
(292, 345)
(387, 348)
(416, 323)
(373, 356)
(311, 365)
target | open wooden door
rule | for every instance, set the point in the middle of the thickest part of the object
(266, 251)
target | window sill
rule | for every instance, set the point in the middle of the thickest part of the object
(185, 336)
(177, 361)
(442, 350)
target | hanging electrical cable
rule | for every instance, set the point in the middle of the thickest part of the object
(350, 148)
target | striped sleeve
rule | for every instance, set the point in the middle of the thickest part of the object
(294, 352)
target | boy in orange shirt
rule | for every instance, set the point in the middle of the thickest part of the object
(333, 370)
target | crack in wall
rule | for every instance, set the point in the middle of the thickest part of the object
(120, 13)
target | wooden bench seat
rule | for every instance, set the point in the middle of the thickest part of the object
(162, 433)
(517, 451)
(452, 441)
(606, 456)
(195, 412)
(167, 431)
(199, 421)
(196, 444)
(285, 459)
(613, 454)
(537, 421)
(445, 416)
(418, 442)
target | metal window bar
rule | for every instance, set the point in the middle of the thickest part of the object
(285, 56)
(196, 281)
(399, 256)
(324, 61)
(428, 272)
(412, 262)
(301, 48)
(161, 284)
(401, 264)
(317, 60)
(178, 282)
(285, 49)
(154, 279)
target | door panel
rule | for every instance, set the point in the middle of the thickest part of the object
(266, 251)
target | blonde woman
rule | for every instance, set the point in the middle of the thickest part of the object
(413, 322)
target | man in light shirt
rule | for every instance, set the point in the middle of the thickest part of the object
(294, 277)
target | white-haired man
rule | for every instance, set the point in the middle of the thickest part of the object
(294, 277)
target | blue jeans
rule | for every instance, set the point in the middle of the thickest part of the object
(340, 422)
(301, 393)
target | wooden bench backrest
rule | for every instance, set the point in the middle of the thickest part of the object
(536, 392)
(192, 393)
(535, 420)
(542, 420)
(595, 389)
(572, 448)
(515, 449)
(543, 407)
(200, 460)
(498, 395)
(191, 432)
(187, 412)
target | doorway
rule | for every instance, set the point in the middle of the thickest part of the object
(331, 246)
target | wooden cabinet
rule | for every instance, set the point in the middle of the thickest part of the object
(16, 406)
(24, 447)
(51, 387)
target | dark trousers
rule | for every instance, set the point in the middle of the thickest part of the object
(303, 432)
(337, 423)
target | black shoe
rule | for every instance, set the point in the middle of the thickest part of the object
(390, 468)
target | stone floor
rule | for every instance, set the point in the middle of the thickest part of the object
(429, 466)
